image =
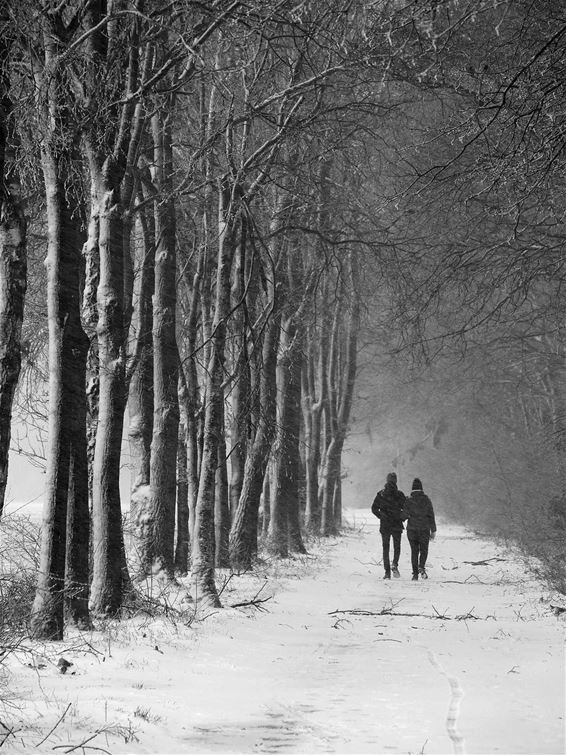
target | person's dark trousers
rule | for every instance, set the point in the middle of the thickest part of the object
(385, 538)
(419, 549)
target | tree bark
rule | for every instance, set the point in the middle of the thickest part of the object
(13, 271)
(203, 549)
(341, 413)
(221, 508)
(155, 523)
(243, 534)
(63, 574)
(140, 401)
(108, 579)
(182, 542)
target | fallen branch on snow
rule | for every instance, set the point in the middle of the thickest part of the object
(485, 561)
(391, 612)
(256, 601)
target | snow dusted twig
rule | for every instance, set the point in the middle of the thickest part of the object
(388, 611)
(466, 616)
(440, 615)
(56, 725)
(255, 601)
(472, 577)
(485, 561)
(7, 732)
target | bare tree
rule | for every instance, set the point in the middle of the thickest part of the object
(13, 258)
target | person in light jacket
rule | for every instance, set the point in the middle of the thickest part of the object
(421, 527)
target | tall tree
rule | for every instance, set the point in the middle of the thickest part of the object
(13, 256)
(65, 533)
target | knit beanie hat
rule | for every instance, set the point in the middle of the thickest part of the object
(392, 477)
(417, 484)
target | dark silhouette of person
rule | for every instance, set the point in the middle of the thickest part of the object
(389, 507)
(421, 527)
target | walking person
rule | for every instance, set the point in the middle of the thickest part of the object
(421, 528)
(389, 507)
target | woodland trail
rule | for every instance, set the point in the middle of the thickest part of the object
(471, 660)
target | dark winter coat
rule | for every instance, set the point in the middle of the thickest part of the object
(421, 514)
(389, 507)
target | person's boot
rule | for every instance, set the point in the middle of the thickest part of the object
(423, 573)
(395, 571)
(415, 576)
(387, 575)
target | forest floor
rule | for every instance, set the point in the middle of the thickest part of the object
(335, 660)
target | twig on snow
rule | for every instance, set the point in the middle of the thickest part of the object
(256, 602)
(387, 639)
(440, 615)
(56, 725)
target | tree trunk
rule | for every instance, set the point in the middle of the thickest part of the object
(342, 404)
(140, 401)
(77, 572)
(266, 503)
(111, 148)
(182, 542)
(240, 393)
(221, 508)
(290, 490)
(65, 532)
(243, 534)
(63, 574)
(109, 579)
(13, 274)
(203, 549)
(156, 542)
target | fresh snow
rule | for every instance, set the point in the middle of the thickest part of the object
(338, 661)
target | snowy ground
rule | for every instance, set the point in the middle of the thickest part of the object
(471, 660)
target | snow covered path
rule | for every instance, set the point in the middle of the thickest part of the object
(471, 660)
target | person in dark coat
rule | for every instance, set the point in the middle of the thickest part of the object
(389, 507)
(421, 527)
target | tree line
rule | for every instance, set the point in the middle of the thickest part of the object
(223, 189)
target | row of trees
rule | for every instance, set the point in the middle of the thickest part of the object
(193, 275)
(226, 191)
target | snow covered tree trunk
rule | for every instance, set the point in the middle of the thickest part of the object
(140, 400)
(108, 578)
(241, 386)
(113, 70)
(203, 546)
(13, 274)
(48, 607)
(189, 396)
(89, 317)
(63, 574)
(188, 409)
(266, 503)
(156, 541)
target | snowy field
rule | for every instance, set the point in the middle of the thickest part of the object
(339, 661)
